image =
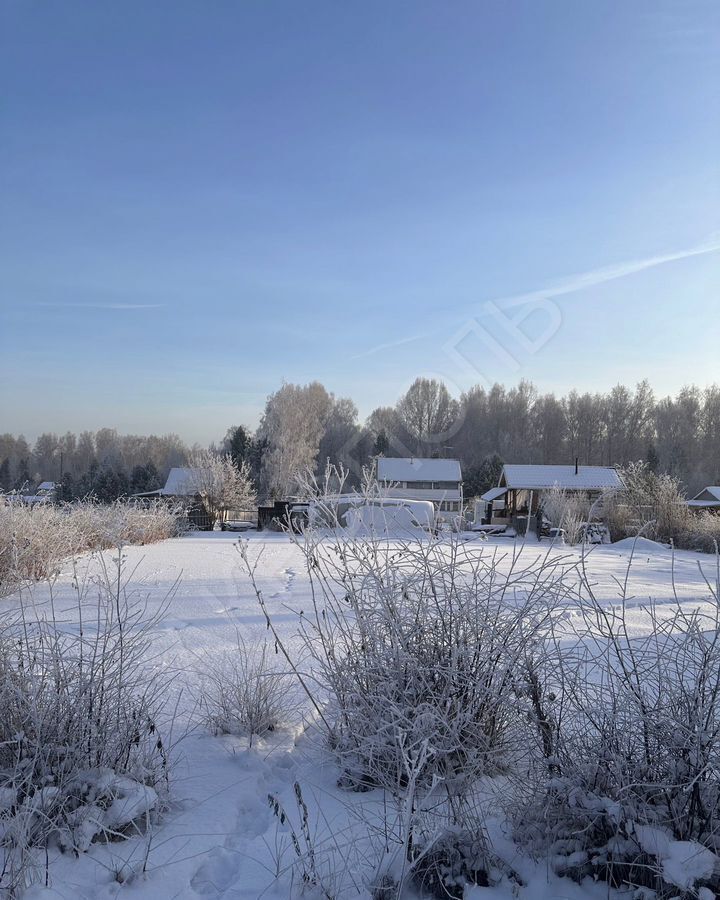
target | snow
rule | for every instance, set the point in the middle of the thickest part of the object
(641, 545)
(683, 862)
(687, 862)
(219, 837)
(536, 477)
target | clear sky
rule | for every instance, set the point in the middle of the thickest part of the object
(201, 200)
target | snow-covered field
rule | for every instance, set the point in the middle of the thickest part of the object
(219, 838)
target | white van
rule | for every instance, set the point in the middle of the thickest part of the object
(378, 514)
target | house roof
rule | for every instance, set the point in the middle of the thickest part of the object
(181, 482)
(588, 478)
(418, 469)
(709, 496)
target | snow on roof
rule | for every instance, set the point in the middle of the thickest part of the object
(181, 482)
(46, 486)
(403, 468)
(588, 478)
(707, 496)
(493, 494)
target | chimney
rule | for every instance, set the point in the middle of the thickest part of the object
(576, 465)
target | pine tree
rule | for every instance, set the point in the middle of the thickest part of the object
(22, 479)
(652, 459)
(5, 480)
(381, 444)
(144, 478)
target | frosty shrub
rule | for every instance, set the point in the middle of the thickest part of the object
(628, 787)
(567, 510)
(220, 483)
(242, 693)
(701, 532)
(83, 756)
(35, 540)
(419, 649)
(654, 505)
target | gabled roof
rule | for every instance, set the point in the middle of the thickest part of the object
(403, 468)
(712, 492)
(181, 482)
(535, 478)
(708, 497)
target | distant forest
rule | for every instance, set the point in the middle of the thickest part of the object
(303, 426)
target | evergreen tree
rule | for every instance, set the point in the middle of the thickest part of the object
(5, 480)
(479, 479)
(652, 459)
(381, 444)
(65, 490)
(237, 444)
(22, 479)
(110, 485)
(144, 478)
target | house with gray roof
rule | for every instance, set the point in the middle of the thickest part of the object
(521, 487)
(419, 478)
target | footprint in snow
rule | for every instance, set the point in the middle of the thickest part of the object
(219, 872)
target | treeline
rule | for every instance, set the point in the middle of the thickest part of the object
(303, 426)
(102, 463)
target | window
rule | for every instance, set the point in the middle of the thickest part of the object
(420, 485)
(446, 485)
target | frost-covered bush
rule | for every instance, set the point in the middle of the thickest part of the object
(701, 532)
(418, 646)
(35, 540)
(83, 755)
(568, 510)
(654, 505)
(242, 693)
(418, 649)
(628, 787)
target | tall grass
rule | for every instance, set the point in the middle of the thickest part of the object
(34, 540)
(84, 752)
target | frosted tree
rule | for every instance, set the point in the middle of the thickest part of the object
(428, 412)
(298, 421)
(221, 484)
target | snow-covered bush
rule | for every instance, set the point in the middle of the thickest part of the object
(220, 483)
(701, 532)
(35, 540)
(418, 648)
(83, 753)
(568, 510)
(628, 787)
(654, 505)
(242, 693)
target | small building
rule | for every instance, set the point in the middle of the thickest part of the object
(520, 490)
(413, 478)
(708, 499)
(182, 484)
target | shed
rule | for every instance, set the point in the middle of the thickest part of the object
(520, 490)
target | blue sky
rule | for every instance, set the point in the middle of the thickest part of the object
(200, 200)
